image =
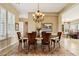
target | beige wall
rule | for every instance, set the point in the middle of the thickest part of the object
(9, 41)
(59, 23)
(24, 29)
(49, 18)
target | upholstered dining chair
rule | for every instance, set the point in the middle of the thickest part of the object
(31, 40)
(58, 39)
(43, 33)
(46, 40)
(20, 39)
(34, 34)
(59, 35)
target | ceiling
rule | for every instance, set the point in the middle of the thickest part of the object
(71, 14)
(24, 8)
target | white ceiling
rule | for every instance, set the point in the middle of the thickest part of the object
(24, 8)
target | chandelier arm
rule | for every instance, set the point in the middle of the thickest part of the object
(38, 6)
(38, 16)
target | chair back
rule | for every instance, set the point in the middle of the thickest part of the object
(31, 38)
(19, 35)
(34, 34)
(43, 33)
(59, 35)
(46, 38)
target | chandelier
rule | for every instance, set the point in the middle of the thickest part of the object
(38, 16)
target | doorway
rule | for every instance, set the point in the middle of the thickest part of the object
(25, 29)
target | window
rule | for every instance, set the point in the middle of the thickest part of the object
(78, 27)
(2, 22)
(10, 24)
(73, 27)
(7, 24)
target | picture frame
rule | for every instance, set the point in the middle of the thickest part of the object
(47, 27)
(17, 26)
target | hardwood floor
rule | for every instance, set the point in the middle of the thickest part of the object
(58, 52)
(69, 47)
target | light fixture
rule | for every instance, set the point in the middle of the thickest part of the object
(38, 16)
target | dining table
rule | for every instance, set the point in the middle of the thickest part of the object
(52, 37)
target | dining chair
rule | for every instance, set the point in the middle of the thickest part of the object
(34, 33)
(58, 37)
(43, 32)
(20, 40)
(46, 40)
(31, 40)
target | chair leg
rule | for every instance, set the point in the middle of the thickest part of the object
(51, 43)
(24, 44)
(42, 48)
(35, 47)
(59, 44)
(49, 47)
(20, 46)
(28, 47)
(54, 45)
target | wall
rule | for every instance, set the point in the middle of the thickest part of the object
(59, 23)
(6, 43)
(23, 28)
(49, 18)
